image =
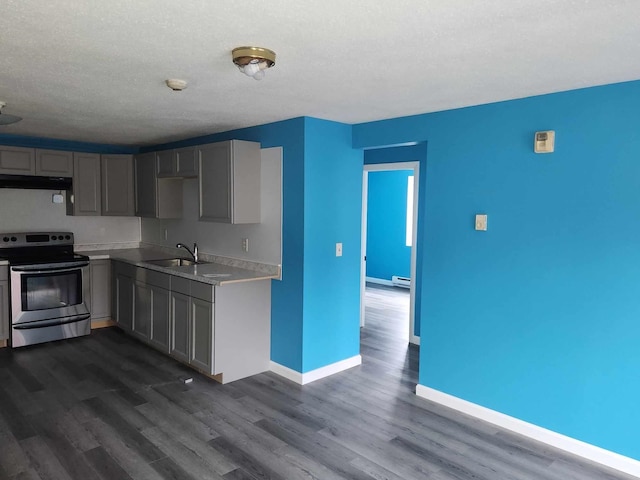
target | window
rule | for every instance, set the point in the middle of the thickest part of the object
(409, 238)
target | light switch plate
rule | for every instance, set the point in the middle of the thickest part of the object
(481, 222)
(338, 249)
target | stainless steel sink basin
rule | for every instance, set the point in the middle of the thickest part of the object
(175, 262)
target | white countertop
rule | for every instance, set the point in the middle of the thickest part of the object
(212, 273)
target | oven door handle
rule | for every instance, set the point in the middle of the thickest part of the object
(51, 322)
(59, 267)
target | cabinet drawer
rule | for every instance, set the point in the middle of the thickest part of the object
(203, 291)
(151, 277)
(181, 285)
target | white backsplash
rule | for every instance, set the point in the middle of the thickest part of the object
(34, 210)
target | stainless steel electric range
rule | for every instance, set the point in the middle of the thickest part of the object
(49, 287)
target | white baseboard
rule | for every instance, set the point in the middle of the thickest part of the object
(568, 444)
(317, 374)
(379, 281)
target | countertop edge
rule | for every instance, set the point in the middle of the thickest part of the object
(245, 275)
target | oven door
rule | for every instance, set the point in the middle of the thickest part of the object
(48, 302)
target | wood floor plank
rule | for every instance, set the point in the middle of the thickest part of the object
(108, 407)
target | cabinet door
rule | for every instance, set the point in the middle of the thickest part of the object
(100, 307)
(86, 184)
(17, 161)
(142, 308)
(124, 301)
(4, 310)
(159, 334)
(117, 185)
(165, 164)
(146, 188)
(201, 355)
(180, 326)
(186, 162)
(214, 161)
(54, 163)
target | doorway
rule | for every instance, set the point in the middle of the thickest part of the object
(411, 233)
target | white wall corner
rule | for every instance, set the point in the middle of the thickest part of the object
(577, 447)
(317, 374)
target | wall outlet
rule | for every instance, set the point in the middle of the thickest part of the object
(245, 244)
(338, 249)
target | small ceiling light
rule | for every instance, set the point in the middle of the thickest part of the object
(6, 119)
(176, 84)
(253, 61)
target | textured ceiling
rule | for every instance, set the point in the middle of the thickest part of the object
(91, 70)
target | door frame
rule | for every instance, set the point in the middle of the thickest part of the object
(381, 167)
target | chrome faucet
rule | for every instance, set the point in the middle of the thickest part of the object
(194, 254)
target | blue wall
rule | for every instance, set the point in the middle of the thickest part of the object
(387, 250)
(539, 317)
(332, 214)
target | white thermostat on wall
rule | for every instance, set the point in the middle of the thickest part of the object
(544, 141)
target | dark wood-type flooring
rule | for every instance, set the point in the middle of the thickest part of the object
(108, 407)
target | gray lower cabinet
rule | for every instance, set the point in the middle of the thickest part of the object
(159, 332)
(100, 306)
(17, 161)
(201, 353)
(117, 185)
(122, 288)
(229, 182)
(180, 321)
(155, 197)
(54, 163)
(86, 198)
(151, 308)
(218, 330)
(142, 307)
(4, 303)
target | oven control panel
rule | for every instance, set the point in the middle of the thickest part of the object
(35, 239)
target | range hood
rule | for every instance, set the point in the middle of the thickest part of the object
(35, 182)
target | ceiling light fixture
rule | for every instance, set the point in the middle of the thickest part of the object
(5, 118)
(253, 61)
(176, 84)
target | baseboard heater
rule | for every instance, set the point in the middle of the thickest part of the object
(403, 282)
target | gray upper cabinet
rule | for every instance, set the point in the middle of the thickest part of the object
(17, 161)
(165, 164)
(155, 197)
(117, 185)
(86, 185)
(54, 163)
(186, 162)
(178, 163)
(229, 182)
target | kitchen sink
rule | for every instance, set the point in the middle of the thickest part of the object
(174, 262)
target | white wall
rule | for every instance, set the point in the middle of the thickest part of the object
(265, 238)
(33, 210)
